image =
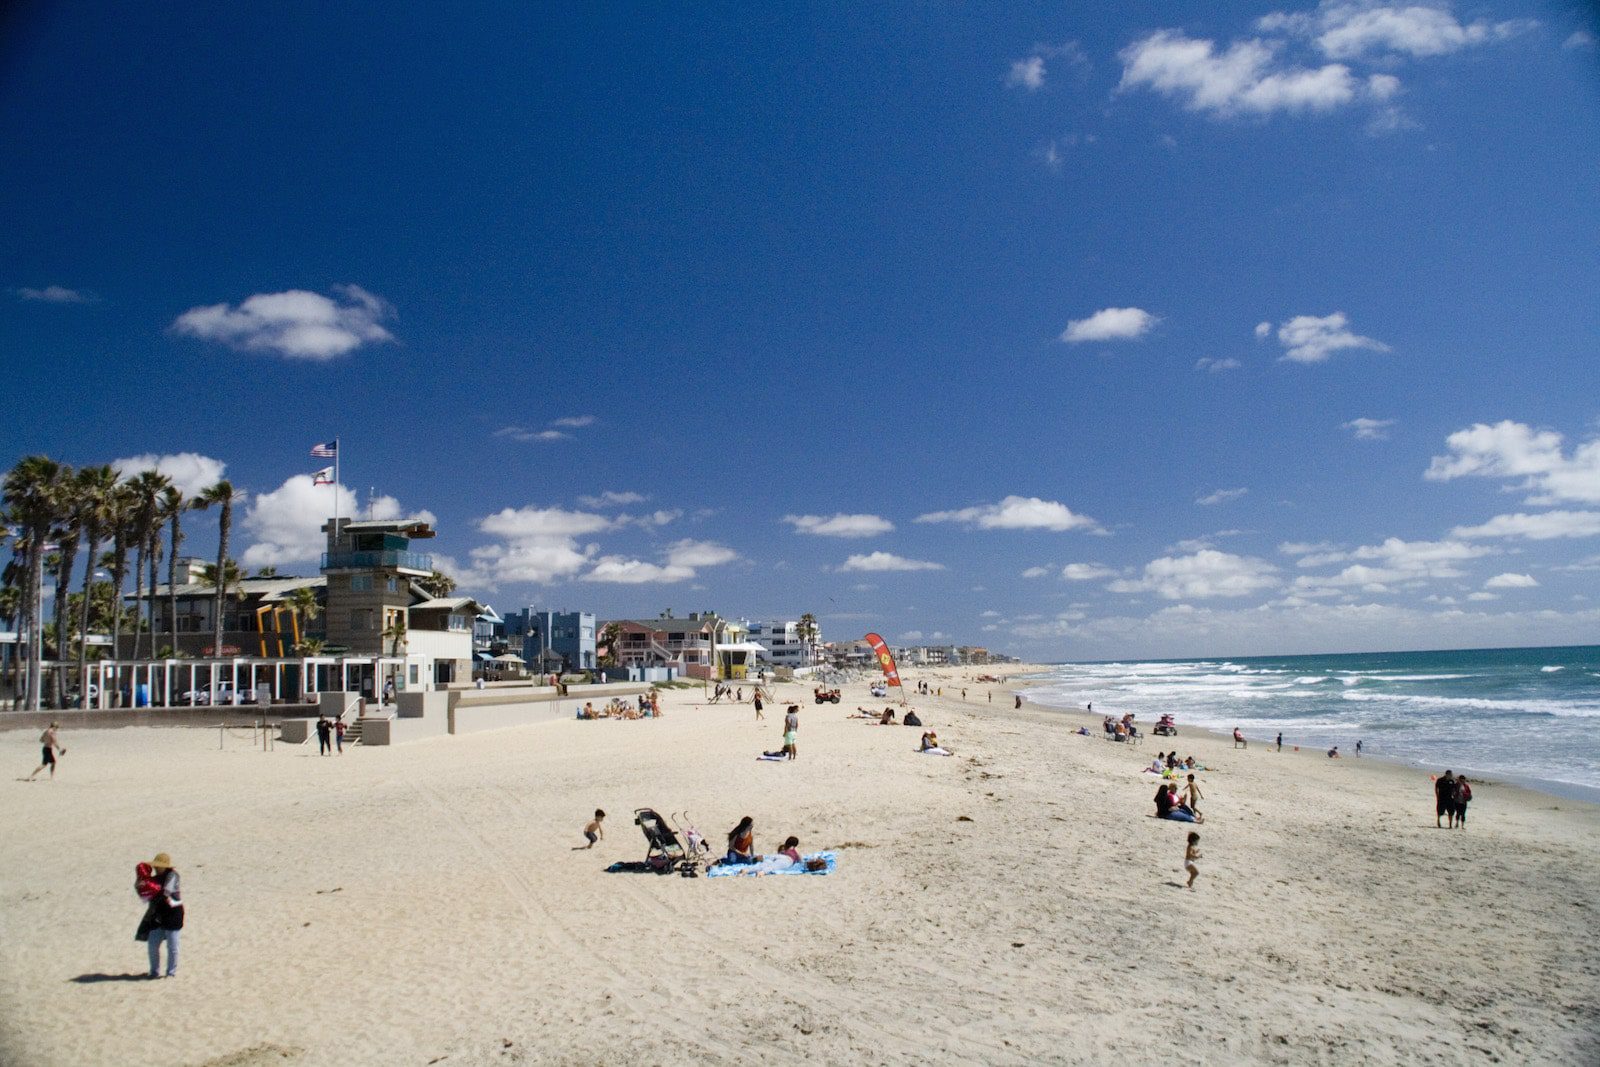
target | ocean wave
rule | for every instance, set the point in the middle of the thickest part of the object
(1311, 679)
(1550, 670)
(1558, 708)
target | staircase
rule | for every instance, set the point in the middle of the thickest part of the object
(352, 733)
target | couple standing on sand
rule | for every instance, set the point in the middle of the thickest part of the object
(1451, 795)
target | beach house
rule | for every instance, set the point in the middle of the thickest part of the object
(552, 640)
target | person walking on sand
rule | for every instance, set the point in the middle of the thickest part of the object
(1280, 740)
(1018, 704)
(757, 701)
(1190, 854)
(324, 735)
(163, 919)
(1358, 748)
(1444, 799)
(338, 733)
(791, 731)
(50, 748)
(1192, 796)
(1463, 798)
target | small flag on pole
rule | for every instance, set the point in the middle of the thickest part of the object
(323, 476)
(326, 450)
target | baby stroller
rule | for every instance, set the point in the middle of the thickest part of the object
(666, 853)
(698, 848)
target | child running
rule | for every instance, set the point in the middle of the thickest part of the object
(595, 831)
(1191, 854)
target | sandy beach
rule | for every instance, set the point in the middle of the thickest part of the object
(1015, 903)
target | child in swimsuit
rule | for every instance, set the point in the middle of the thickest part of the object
(1191, 854)
(594, 831)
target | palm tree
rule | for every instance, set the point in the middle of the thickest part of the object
(143, 530)
(438, 584)
(68, 531)
(266, 572)
(30, 491)
(808, 632)
(120, 524)
(173, 505)
(223, 495)
(611, 637)
(95, 488)
(396, 632)
(303, 605)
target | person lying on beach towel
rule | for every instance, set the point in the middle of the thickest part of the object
(888, 717)
(779, 756)
(815, 863)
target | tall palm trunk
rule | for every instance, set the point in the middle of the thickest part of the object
(92, 534)
(35, 615)
(138, 592)
(224, 526)
(176, 539)
(153, 554)
(69, 560)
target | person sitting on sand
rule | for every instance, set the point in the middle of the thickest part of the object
(1172, 760)
(1333, 753)
(888, 717)
(1188, 763)
(742, 843)
(1167, 806)
(791, 849)
(1156, 766)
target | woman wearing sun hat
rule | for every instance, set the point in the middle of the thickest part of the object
(164, 918)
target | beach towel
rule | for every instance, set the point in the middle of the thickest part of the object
(773, 865)
(936, 752)
(772, 759)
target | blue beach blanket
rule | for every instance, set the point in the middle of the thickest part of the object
(767, 866)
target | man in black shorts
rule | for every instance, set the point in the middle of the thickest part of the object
(51, 747)
(1444, 796)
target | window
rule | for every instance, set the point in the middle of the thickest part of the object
(393, 585)
(458, 622)
(361, 583)
(413, 674)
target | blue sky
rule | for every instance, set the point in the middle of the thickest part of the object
(1178, 329)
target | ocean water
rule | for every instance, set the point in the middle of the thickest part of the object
(1527, 714)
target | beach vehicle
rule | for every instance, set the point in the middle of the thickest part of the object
(825, 696)
(665, 853)
(1165, 727)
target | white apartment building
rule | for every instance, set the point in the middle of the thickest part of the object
(781, 639)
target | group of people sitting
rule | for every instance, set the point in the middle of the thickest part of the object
(649, 707)
(1185, 808)
(1168, 764)
(886, 718)
(742, 849)
(1120, 729)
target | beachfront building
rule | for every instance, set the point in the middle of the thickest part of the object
(552, 641)
(488, 635)
(781, 644)
(701, 646)
(258, 616)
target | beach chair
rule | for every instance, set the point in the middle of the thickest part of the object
(666, 852)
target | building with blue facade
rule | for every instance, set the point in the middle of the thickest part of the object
(552, 640)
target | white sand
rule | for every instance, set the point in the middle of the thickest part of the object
(422, 904)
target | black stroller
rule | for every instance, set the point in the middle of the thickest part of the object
(666, 853)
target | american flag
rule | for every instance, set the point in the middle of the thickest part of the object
(326, 450)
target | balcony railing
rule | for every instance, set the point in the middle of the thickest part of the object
(388, 558)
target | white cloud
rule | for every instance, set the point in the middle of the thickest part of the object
(1085, 572)
(654, 518)
(1513, 450)
(1352, 31)
(296, 324)
(911, 635)
(887, 561)
(1263, 330)
(1376, 568)
(1207, 573)
(522, 433)
(56, 294)
(683, 561)
(574, 421)
(1544, 526)
(1221, 496)
(519, 524)
(286, 524)
(1216, 366)
(839, 525)
(1027, 74)
(612, 499)
(1579, 39)
(990, 614)
(1587, 563)
(1312, 339)
(1483, 596)
(1511, 581)
(1305, 548)
(190, 472)
(1368, 429)
(1243, 79)
(1016, 513)
(1110, 324)
(1036, 572)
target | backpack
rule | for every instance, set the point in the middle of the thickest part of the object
(1463, 791)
